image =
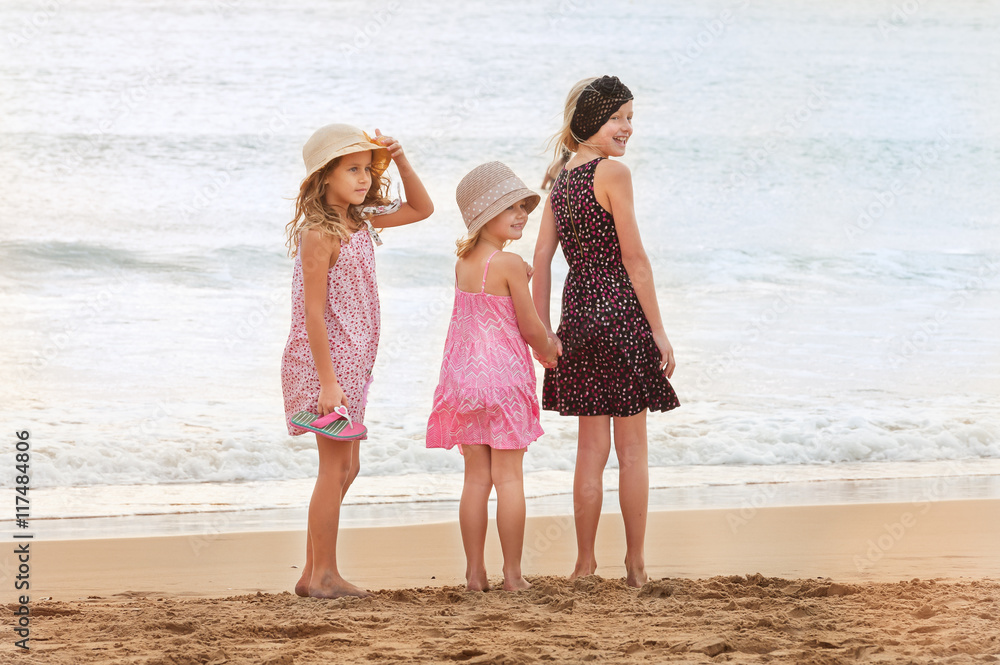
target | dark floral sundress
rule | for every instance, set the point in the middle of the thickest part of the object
(610, 363)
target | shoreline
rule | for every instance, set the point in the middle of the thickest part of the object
(745, 497)
(847, 542)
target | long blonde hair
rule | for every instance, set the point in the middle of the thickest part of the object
(564, 139)
(312, 211)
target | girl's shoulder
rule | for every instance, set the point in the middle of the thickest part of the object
(609, 168)
(314, 243)
(508, 264)
(611, 176)
(502, 258)
(499, 261)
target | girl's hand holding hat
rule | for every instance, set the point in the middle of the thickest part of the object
(390, 144)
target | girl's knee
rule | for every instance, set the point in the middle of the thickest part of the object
(353, 472)
(337, 473)
(632, 457)
(507, 466)
(505, 478)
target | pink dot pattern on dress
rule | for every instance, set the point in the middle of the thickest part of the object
(353, 323)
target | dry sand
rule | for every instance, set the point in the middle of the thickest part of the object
(905, 583)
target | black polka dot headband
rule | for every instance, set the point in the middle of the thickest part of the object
(597, 103)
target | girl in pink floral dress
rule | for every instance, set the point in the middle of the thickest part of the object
(331, 348)
(485, 401)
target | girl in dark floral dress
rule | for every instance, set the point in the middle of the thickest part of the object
(615, 358)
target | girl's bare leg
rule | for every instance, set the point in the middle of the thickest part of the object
(473, 516)
(593, 448)
(633, 492)
(508, 478)
(335, 463)
(302, 586)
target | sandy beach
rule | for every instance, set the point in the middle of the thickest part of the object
(888, 582)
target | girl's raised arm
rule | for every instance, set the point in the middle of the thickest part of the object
(613, 183)
(418, 204)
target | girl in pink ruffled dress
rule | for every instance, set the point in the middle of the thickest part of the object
(485, 401)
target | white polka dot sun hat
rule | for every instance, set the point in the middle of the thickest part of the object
(489, 189)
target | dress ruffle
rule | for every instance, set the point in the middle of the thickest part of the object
(502, 417)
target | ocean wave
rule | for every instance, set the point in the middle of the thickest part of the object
(31, 262)
(249, 452)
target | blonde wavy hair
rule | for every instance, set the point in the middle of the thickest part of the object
(312, 211)
(467, 243)
(565, 139)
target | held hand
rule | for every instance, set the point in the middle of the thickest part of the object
(550, 359)
(667, 362)
(330, 397)
(391, 144)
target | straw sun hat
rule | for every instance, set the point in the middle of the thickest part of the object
(489, 189)
(333, 141)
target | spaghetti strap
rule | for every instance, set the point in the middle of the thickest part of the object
(483, 287)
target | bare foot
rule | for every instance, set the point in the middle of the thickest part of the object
(478, 582)
(516, 584)
(584, 568)
(334, 586)
(636, 576)
(302, 586)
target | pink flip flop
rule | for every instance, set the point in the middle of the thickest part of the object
(335, 425)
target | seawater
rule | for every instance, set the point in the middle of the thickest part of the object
(815, 186)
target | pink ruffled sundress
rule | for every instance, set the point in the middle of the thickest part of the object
(486, 390)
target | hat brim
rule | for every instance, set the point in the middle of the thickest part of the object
(502, 203)
(380, 157)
